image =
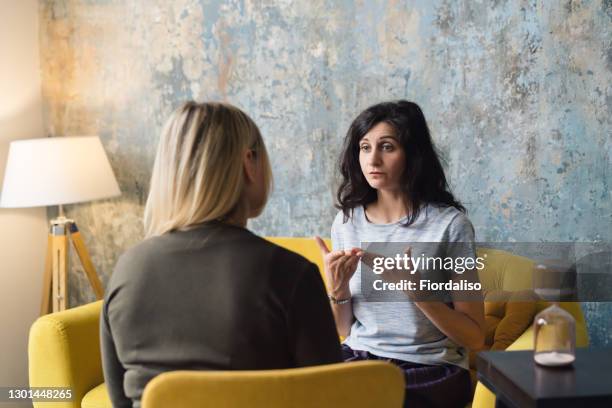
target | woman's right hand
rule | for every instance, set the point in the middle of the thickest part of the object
(339, 267)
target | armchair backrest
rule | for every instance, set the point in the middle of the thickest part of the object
(355, 385)
(64, 351)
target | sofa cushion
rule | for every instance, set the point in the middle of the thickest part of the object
(97, 398)
(518, 313)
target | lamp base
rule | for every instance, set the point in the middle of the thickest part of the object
(55, 280)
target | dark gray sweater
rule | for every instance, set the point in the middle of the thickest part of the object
(213, 298)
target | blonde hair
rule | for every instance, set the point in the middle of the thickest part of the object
(198, 170)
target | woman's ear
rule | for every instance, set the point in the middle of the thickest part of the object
(250, 166)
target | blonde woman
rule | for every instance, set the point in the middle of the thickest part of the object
(202, 292)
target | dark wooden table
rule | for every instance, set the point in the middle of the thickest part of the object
(517, 381)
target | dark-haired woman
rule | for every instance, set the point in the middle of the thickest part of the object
(394, 190)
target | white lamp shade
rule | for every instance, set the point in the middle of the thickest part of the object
(57, 170)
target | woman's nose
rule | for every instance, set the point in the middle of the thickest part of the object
(374, 158)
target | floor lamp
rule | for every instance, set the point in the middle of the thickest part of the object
(57, 171)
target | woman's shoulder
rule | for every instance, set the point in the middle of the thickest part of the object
(340, 220)
(455, 222)
(133, 262)
(445, 213)
(146, 251)
(158, 252)
(448, 217)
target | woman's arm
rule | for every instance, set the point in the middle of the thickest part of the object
(343, 314)
(339, 268)
(112, 368)
(464, 324)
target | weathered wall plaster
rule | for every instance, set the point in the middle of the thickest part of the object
(517, 93)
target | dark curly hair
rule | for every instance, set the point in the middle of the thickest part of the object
(423, 181)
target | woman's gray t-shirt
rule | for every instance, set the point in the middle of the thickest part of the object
(400, 330)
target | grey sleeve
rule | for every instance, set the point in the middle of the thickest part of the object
(311, 324)
(461, 238)
(112, 367)
(461, 245)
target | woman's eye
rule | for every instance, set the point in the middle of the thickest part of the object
(387, 147)
(364, 148)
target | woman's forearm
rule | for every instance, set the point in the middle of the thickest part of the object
(343, 315)
(455, 324)
(339, 267)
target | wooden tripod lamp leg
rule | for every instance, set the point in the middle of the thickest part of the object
(90, 270)
(45, 306)
(59, 267)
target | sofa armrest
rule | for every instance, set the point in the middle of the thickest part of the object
(64, 351)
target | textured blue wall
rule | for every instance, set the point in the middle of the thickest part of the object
(517, 93)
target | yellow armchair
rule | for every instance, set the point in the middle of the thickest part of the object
(64, 351)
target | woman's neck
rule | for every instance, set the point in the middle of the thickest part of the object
(389, 207)
(238, 217)
(237, 222)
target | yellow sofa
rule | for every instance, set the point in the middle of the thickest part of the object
(64, 347)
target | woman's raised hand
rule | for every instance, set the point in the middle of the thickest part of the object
(339, 267)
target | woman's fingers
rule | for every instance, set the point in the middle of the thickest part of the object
(322, 246)
(352, 267)
(356, 251)
(332, 257)
(340, 265)
(342, 262)
(368, 258)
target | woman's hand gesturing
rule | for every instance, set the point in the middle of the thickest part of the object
(339, 267)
